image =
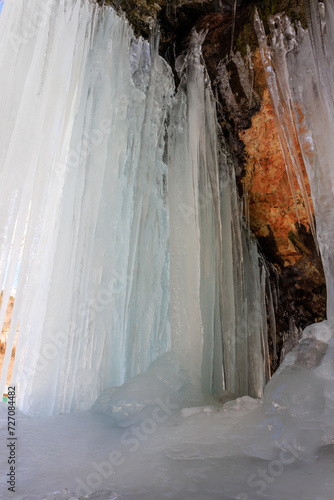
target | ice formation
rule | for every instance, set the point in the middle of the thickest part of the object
(133, 239)
(299, 68)
(217, 287)
(134, 247)
(87, 188)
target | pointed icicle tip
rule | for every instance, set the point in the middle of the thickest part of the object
(154, 36)
(259, 28)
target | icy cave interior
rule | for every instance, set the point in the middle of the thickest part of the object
(142, 361)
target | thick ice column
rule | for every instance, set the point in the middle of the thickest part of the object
(184, 156)
(245, 342)
(85, 167)
(36, 120)
(217, 313)
(147, 321)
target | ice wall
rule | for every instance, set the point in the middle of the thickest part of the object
(82, 144)
(88, 191)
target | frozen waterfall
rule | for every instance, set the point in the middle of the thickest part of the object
(87, 192)
(128, 234)
(140, 290)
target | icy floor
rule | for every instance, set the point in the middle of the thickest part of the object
(213, 454)
(144, 446)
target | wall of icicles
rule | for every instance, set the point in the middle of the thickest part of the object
(120, 227)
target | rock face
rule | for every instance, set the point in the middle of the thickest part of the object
(4, 335)
(272, 211)
(246, 117)
(8, 316)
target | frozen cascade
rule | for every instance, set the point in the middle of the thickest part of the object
(90, 193)
(117, 288)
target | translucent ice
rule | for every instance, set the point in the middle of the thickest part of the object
(137, 397)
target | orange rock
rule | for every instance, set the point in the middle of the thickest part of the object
(266, 181)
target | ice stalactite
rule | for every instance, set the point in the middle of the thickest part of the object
(273, 61)
(295, 64)
(291, 340)
(246, 75)
(314, 118)
(233, 23)
(272, 318)
(251, 70)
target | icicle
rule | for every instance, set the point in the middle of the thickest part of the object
(246, 76)
(272, 318)
(244, 315)
(251, 71)
(246, 208)
(308, 111)
(223, 84)
(188, 152)
(316, 17)
(292, 339)
(233, 25)
(274, 62)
